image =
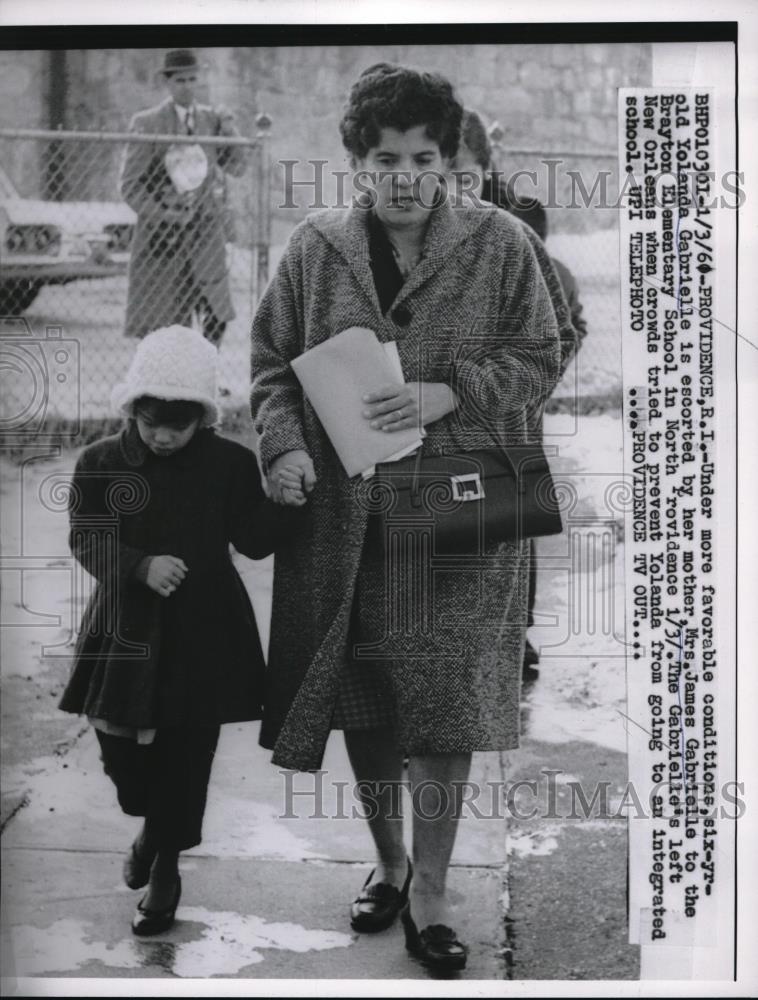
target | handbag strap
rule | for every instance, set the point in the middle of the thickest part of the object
(503, 451)
(416, 481)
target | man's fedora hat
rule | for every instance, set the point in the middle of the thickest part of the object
(179, 61)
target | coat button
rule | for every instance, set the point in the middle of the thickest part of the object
(402, 316)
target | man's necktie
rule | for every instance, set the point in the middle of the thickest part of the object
(188, 122)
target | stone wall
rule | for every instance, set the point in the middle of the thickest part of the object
(23, 91)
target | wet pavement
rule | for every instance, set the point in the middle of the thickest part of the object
(263, 896)
(537, 895)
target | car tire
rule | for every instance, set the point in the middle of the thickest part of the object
(17, 294)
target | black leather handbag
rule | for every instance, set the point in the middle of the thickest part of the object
(471, 500)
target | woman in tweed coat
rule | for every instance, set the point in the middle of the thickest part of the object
(462, 294)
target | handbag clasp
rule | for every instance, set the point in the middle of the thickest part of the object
(467, 487)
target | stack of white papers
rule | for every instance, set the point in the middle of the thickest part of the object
(335, 377)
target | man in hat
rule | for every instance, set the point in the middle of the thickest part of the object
(178, 266)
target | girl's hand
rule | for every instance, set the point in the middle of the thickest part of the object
(290, 487)
(165, 574)
(414, 404)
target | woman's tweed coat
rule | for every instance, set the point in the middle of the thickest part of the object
(474, 313)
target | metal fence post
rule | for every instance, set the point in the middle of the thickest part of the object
(263, 235)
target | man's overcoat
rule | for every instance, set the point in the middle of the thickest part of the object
(474, 313)
(173, 264)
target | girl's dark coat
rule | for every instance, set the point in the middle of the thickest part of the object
(474, 313)
(144, 660)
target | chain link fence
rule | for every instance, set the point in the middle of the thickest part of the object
(99, 243)
(106, 236)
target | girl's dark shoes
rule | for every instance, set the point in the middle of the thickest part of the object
(137, 867)
(147, 922)
(436, 946)
(378, 904)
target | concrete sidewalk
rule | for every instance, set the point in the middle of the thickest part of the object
(263, 897)
(266, 897)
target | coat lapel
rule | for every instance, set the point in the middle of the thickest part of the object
(167, 119)
(347, 231)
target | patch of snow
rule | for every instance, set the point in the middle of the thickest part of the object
(531, 844)
(65, 946)
(228, 942)
(555, 723)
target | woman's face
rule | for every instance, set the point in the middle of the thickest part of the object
(402, 171)
(467, 177)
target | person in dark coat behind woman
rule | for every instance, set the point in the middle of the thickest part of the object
(168, 648)
(477, 180)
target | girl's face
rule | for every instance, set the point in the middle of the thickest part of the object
(405, 169)
(467, 177)
(161, 437)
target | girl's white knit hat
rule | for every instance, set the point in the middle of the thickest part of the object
(172, 363)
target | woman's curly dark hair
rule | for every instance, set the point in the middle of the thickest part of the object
(386, 96)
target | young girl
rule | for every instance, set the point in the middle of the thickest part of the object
(168, 648)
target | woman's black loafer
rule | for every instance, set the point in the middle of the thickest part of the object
(147, 922)
(378, 904)
(436, 946)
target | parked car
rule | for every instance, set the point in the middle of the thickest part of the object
(54, 242)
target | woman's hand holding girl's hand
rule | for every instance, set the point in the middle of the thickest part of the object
(165, 573)
(290, 477)
(414, 404)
